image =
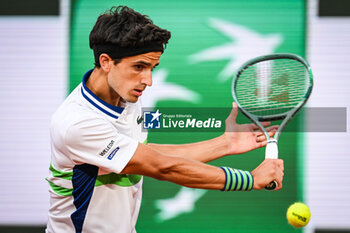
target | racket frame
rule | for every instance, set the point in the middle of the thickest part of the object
(271, 151)
(287, 116)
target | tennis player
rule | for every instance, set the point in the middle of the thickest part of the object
(99, 152)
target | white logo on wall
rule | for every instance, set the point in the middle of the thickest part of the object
(246, 44)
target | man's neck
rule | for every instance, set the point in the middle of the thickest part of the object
(98, 84)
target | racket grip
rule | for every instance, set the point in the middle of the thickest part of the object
(271, 152)
(272, 186)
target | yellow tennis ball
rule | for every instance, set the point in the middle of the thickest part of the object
(298, 214)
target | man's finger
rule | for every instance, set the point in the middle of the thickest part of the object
(272, 128)
(260, 137)
(263, 123)
(254, 127)
(234, 111)
(281, 164)
(272, 131)
(231, 119)
(279, 180)
(262, 144)
(268, 129)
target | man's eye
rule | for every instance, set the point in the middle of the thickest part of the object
(138, 67)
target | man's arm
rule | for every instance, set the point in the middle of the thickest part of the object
(186, 172)
(204, 151)
(237, 139)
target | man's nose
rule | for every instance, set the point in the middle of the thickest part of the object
(147, 79)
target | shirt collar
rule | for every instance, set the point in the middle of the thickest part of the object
(95, 101)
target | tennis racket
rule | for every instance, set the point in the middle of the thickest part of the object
(270, 88)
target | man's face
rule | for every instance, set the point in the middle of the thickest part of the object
(130, 77)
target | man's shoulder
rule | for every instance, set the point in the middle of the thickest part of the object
(71, 123)
(72, 111)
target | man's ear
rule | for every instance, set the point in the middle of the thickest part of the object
(105, 62)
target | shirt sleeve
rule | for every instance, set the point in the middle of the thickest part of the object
(98, 142)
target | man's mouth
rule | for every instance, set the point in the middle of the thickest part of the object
(138, 92)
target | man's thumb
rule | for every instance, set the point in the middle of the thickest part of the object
(234, 111)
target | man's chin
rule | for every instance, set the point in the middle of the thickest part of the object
(132, 99)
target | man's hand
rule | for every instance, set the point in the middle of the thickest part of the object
(242, 138)
(267, 171)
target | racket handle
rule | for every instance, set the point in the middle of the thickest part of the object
(271, 152)
(272, 186)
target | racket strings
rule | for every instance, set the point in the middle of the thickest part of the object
(272, 87)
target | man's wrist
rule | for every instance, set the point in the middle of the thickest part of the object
(227, 144)
(237, 180)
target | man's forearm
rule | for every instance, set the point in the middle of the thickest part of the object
(204, 151)
(186, 172)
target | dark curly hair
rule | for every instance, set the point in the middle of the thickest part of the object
(125, 28)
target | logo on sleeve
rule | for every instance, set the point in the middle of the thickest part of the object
(109, 146)
(110, 157)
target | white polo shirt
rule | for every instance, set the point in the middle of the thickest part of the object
(91, 142)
